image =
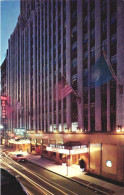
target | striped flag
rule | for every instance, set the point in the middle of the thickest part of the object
(64, 89)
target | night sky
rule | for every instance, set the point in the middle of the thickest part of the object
(10, 11)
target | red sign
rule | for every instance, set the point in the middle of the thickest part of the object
(3, 103)
(3, 98)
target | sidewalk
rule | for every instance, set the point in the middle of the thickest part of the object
(75, 173)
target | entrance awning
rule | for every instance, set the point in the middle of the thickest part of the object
(70, 151)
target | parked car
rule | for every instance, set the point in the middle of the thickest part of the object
(18, 157)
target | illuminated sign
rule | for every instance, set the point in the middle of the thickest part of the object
(108, 163)
(19, 131)
(12, 141)
(3, 103)
(3, 98)
(66, 151)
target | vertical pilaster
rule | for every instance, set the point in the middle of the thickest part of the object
(89, 128)
(68, 60)
(25, 79)
(29, 57)
(34, 72)
(79, 62)
(108, 56)
(120, 63)
(97, 54)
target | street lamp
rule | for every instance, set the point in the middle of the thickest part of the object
(119, 128)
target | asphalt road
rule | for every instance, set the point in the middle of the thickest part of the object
(40, 181)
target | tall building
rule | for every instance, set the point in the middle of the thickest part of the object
(65, 37)
(3, 94)
(55, 38)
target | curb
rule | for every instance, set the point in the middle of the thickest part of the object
(84, 185)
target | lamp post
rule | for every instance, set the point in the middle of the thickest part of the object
(119, 128)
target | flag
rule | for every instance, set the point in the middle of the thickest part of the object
(100, 73)
(63, 89)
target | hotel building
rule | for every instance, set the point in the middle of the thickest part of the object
(65, 37)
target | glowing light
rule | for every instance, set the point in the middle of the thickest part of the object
(67, 151)
(1, 126)
(119, 128)
(108, 163)
(19, 142)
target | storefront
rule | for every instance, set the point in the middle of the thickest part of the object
(20, 144)
(66, 154)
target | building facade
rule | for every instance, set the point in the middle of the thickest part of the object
(55, 38)
(65, 37)
(3, 94)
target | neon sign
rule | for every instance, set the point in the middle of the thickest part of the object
(19, 131)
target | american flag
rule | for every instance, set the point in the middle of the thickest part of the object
(64, 89)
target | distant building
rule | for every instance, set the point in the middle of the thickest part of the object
(65, 37)
(3, 78)
(3, 94)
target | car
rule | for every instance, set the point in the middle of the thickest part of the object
(18, 157)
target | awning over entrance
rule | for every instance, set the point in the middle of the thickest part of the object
(68, 148)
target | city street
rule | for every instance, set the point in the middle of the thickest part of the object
(41, 181)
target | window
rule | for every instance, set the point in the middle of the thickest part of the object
(74, 46)
(74, 14)
(113, 39)
(74, 78)
(74, 29)
(113, 18)
(86, 55)
(85, 20)
(92, 15)
(104, 5)
(114, 59)
(74, 63)
(92, 52)
(104, 45)
(104, 25)
(93, 33)
(85, 77)
(85, 38)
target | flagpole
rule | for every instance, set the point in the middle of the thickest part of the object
(112, 71)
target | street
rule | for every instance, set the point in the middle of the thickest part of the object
(41, 181)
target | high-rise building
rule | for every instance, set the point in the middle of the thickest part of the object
(66, 37)
(3, 98)
(59, 37)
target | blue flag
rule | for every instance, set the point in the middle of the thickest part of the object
(100, 73)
